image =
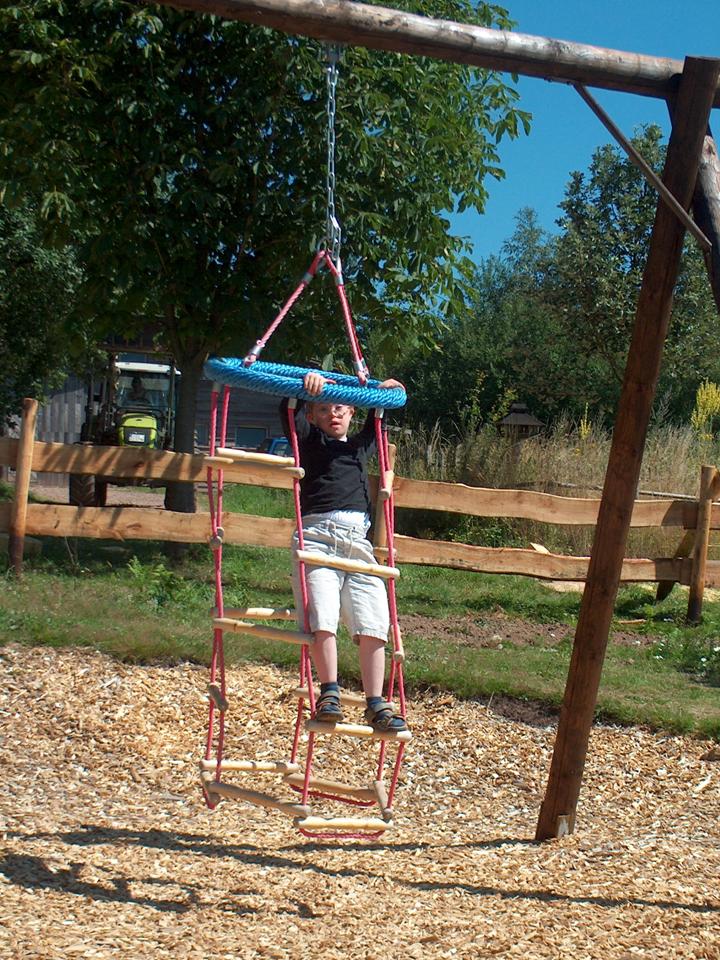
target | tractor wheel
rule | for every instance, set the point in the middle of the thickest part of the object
(82, 490)
(101, 488)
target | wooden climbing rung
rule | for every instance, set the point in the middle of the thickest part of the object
(257, 766)
(260, 613)
(351, 566)
(381, 795)
(220, 462)
(261, 630)
(251, 456)
(385, 490)
(366, 825)
(359, 730)
(231, 792)
(347, 699)
(215, 694)
(320, 785)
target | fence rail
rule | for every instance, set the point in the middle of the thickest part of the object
(128, 463)
(147, 523)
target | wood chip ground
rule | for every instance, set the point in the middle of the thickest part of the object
(108, 850)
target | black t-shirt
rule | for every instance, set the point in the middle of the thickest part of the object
(335, 470)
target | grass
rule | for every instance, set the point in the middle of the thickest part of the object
(87, 593)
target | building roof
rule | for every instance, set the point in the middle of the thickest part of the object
(519, 416)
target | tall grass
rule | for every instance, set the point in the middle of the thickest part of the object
(568, 459)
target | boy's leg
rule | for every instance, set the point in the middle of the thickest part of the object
(324, 603)
(379, 714)
(372, 664)
(323, 652)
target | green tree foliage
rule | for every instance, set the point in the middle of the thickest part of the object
(593, 287)
(551, 318)
(489, 353)
(37, 292)
(193, 151)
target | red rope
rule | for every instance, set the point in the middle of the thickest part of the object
(305, 666)
(361, 368)
(217, 663)
(396, 670)
(254, 353)
(322, 257)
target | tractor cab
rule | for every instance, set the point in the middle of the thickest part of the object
(131, 403)
(144, 404)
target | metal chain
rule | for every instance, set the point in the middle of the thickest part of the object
(333, 234)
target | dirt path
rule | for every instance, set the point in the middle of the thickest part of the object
(109, 852)
(116, 496)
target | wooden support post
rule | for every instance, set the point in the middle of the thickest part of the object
(695, 95)
(683, 549)
(708, 478)
(706, 210)
(23, 472)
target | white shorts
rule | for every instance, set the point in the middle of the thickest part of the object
(361, 600)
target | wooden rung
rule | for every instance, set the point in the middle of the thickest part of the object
(252, 456)
(219, 462)
(260, 613)
(398, 653)
(215, 694)
(351, 566)
(261, 630)
(257, 766)
(359, 730)
(367, 825)
(320, 785)
(382, 798)
(231, 792)
(386, 489)
(347, 699)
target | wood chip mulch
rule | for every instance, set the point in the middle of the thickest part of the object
(108, 850)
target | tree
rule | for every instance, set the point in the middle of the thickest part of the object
(192, 149)
(503, 346)
(37, 291)
(594, 284)
(550, 318)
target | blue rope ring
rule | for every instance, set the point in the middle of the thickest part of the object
(283, 380)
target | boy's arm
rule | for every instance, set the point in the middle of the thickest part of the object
(366, 435)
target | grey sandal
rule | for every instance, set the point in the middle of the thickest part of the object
(384, 719)
(327, 708)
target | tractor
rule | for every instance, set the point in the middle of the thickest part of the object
(132, 404)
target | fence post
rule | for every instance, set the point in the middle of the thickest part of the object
(379, 528)
(23, 470)
(708, 478)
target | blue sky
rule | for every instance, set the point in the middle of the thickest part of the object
(564, 131)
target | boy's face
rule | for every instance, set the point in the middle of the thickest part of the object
(332, 418)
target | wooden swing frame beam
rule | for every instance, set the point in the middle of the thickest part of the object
(383, 28)
(691, 89)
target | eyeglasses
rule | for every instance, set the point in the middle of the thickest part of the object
(325, 409)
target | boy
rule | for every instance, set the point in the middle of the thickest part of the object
(335, 507)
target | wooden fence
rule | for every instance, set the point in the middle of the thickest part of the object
(694, 519)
